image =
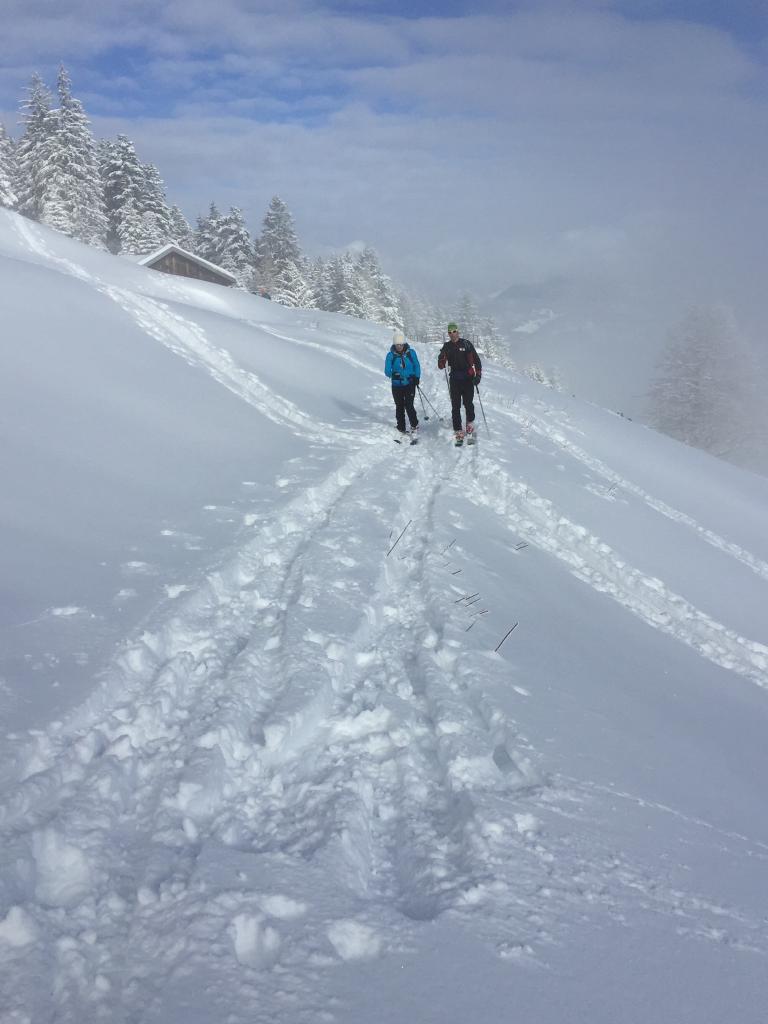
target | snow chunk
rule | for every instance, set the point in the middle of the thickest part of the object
(376, 720)
(17, 928)
(256, 944)
(63, 874)
(283, 907)
(335, 651)
(354, 941)
(526, 823)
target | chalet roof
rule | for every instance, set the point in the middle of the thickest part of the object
(153, 257)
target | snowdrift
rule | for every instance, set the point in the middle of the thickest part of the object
(262, 762)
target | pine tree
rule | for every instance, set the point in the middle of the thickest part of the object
(71, 199)
(493, 346)
(180, 230)
(366, 304)
(235, 247)
(154, 208)
(318, 282)
(467, 318)
(549, 377)
(703, 392)
(206, 237)
(124, 181)
(32, 149)
(422, 320)
(345, 286)
(133, 231)
(378, 299)
(7, 169)
(279, 262)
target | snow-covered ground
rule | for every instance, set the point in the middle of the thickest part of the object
(260, 762)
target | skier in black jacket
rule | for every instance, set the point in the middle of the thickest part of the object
(466, 370)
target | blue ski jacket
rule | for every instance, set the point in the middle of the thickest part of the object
(402, 367)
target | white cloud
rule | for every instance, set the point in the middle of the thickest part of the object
(561, 140)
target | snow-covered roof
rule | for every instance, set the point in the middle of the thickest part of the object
(153, 257)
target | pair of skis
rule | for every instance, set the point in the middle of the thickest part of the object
(407, 438)
(460, 439)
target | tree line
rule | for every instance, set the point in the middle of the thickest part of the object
(103, 194)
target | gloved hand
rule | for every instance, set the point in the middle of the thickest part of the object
(418, 380)
(477, 380)
(413, 380)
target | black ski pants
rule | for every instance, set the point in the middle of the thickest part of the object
(403, 397)
(462, 391)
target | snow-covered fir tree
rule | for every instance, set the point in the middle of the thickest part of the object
(344, 286)
(280, 266)
(206, 238)
(481, 330)
(123, 179)
(137, 209)
(492, 344)
(180, 229)
(318, 283)
(72, 198)
(366, 301)
(548, 376)
(7, 169)
(235, 247)
(703, 392)
(155, 211)
(136, 234)
(422, 320)
(378, 293)
(467, 318)
(33, 148)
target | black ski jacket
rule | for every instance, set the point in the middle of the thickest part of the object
(462, 358)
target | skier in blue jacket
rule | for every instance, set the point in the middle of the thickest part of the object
(402, 367)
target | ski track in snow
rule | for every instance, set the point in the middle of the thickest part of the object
(317, 346)
(245, 773)
(188, 340)
(538, 521)
(529, 419)
(374, 760)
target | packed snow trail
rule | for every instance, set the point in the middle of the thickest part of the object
(367, 769)
(274, 732)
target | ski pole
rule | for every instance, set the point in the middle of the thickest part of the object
(477, 388)
(426, 417)
(434, 410)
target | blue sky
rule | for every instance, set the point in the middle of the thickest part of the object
(618, 145)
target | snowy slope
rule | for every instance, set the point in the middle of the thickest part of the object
(260, 764)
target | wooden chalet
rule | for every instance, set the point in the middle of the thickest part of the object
(172, 259)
